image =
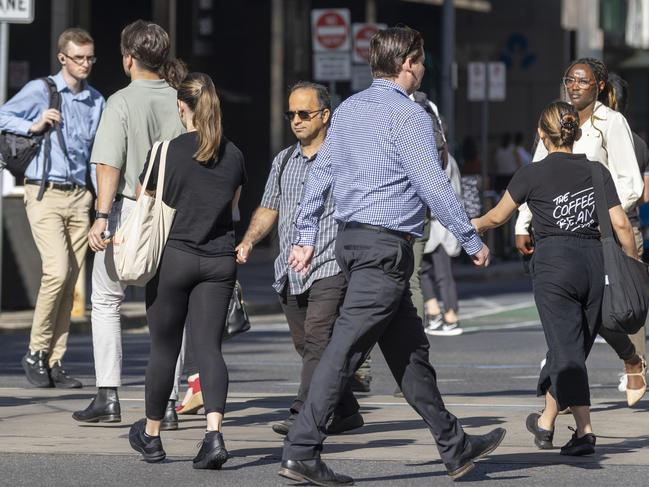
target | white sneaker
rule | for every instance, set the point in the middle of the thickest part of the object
(434, 322)
(445, 330)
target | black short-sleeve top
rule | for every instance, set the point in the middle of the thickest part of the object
(559, 192)
(201, 193)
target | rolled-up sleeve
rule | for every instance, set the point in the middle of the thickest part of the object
(421, 164)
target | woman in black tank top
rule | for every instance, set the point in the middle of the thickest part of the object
(567, 268)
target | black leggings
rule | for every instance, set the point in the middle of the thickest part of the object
(200, 288)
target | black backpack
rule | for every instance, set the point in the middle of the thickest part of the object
(442, 147)
(18, 151)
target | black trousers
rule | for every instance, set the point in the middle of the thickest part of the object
(568, 279)
(311, 317)
(377, 308)
(197, 287)
(437, 279)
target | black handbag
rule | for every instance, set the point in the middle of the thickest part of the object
(626, 291)
(238, 321)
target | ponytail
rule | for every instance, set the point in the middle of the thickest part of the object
(198, 92)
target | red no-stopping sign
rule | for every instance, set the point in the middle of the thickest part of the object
(330, 30)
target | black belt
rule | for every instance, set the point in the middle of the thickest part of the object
(53, 185)
(366, 226)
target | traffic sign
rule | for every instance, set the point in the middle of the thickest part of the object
(330, 30)
(17, 11)
(332, 66)
(361, 35)
(497, 81)
(480, 74)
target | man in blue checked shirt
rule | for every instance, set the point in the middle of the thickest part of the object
(381, 163)
(309, 300)
(60, 220)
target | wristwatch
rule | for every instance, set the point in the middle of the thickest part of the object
(99, 214)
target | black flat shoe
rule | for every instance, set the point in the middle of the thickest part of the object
(314, 471)
(36, 371)
(61, 379)
(212, 454)
(149, 446)
(341, 424)
(577, 447)
(542, 438)
(170, 420)
(476, 446)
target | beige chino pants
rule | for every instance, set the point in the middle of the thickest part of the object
(59, 224)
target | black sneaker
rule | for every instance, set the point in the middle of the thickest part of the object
(577, 447)
(149, 446)
(341, 424)
(542, 438)
(61, 379)
(212, 454)
(36, 370)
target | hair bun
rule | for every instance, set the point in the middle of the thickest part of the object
(568, 122)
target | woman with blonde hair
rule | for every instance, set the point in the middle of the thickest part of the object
(567, 267)
(203, 178)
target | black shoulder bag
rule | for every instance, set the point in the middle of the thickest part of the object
(18, 151)
(626, 292)
(237, 320)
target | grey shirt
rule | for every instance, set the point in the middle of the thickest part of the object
(135, 117)
(286, 200)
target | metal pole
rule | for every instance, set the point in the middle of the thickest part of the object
(484, 152)
(4, 68)
(370, 11)
(447, 95)
(276, 75)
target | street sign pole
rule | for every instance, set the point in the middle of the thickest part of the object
(484, 128)
(4, 68)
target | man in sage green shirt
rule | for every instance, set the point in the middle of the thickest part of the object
(135, 117)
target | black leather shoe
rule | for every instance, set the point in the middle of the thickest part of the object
(577, 447)
(476, 446)
(212, 454)
(170, 420)
(149, 446)
(61, 379)
(340, 424)
(282, 427)
(315, 471)
(360, 383)
(36, 370)
(542, 438)
(104, 408)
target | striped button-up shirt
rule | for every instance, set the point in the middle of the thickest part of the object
(380, 156)
(284, 196)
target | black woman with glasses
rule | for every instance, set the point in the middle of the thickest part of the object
(607, 138)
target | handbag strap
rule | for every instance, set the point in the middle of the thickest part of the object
(149, 168)
(603, 217)
(162, 166)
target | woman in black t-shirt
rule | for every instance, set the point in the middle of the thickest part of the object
(204, 174)
(567, 267)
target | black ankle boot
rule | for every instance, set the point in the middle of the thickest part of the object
(36, 371)
(170, 421)
(212, 454)
(104, 408)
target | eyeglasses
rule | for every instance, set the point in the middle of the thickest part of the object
(304, 115)
(580, 82)
(79, 60)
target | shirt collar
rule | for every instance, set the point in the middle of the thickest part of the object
(298, 152)
(62, 86)
(387, 84)
(150, 83)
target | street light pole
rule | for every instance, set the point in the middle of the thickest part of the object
(447, 94)
(4, 68)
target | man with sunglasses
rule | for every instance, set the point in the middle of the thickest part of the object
(57, 198)
(311, 300)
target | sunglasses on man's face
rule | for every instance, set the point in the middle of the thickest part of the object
(304, 115)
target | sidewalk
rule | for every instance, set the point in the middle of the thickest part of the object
(256, 278)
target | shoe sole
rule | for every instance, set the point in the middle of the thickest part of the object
(468, 467)
(292, 475)
(279, 430)
(109, 418)
(442, 333)
(147, 457)
(193, 405)
(589, 451)
(73, 386)
(214, 462)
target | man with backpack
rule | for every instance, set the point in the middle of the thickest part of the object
(63, 110)
(310, 300)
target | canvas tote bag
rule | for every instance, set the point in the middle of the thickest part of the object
(139, 242)
(626, 291)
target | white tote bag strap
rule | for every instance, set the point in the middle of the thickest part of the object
(161, 172)
(154, 150)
